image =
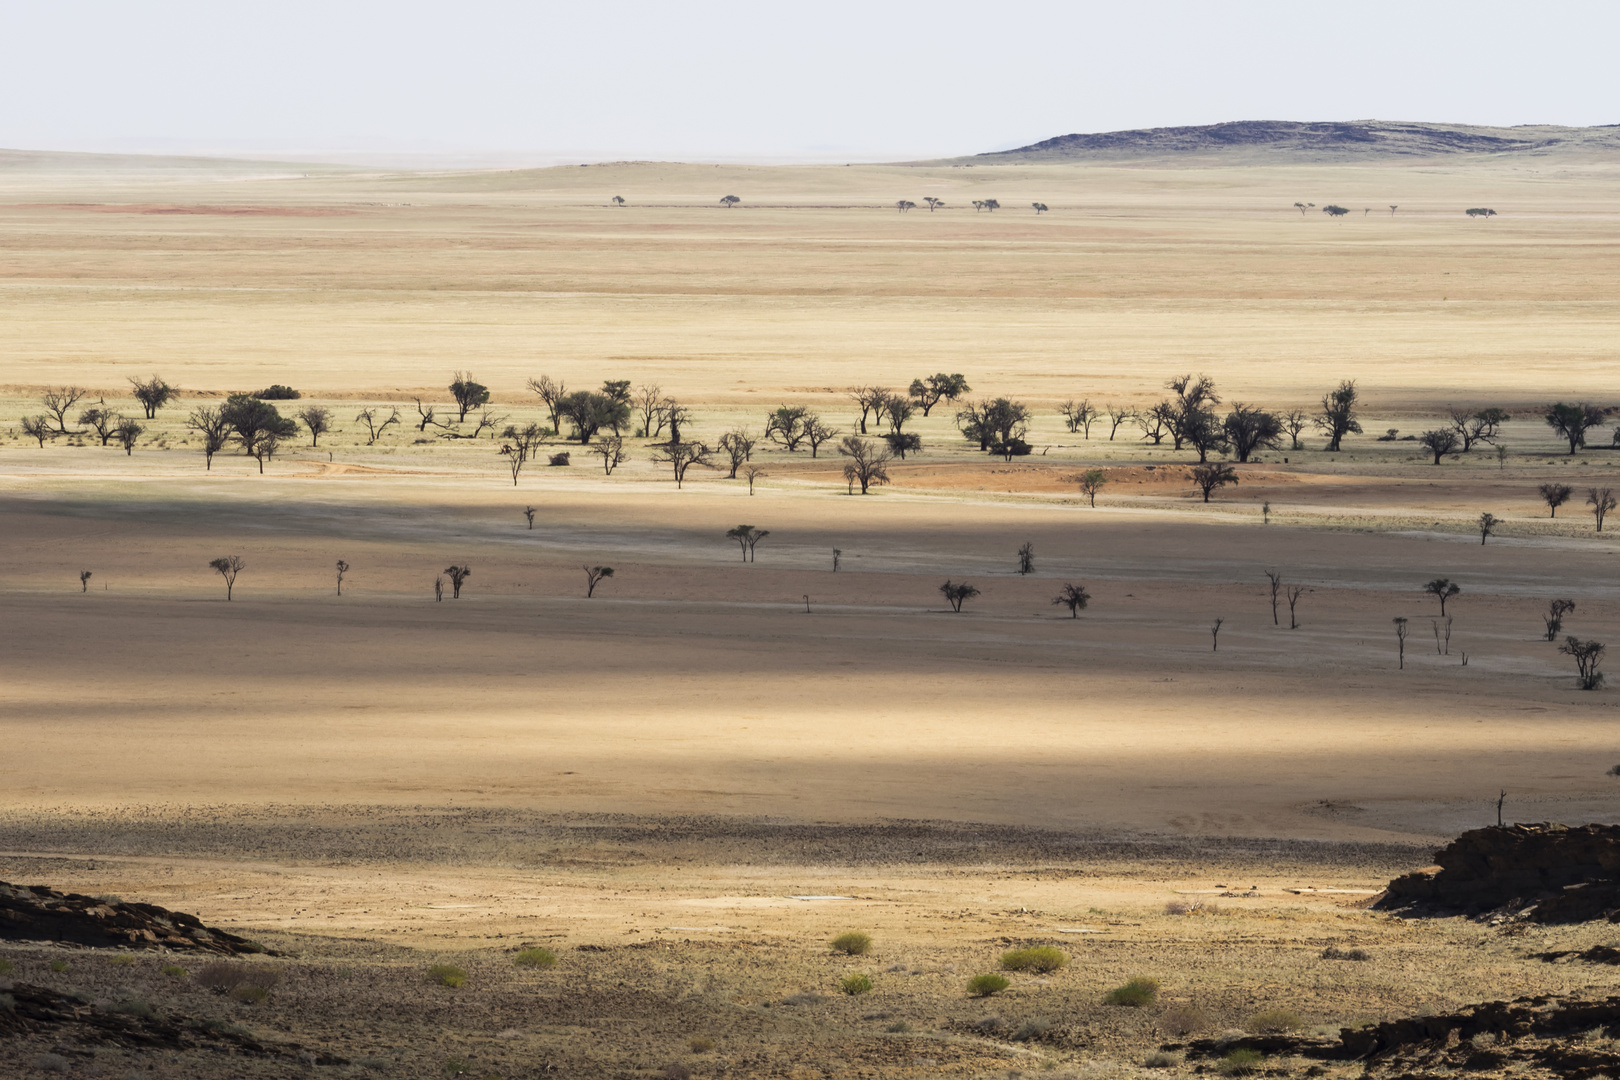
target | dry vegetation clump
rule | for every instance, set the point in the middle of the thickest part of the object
(1136, 993)
(1333, 952)
(700, 1044)
(1191, 907)
(535, 957)
(987, 985)
(447, 975)
(852, 943)
(1275, 1021)
(121, 960)
(1183, 1020)
(173, 971)
(1038, 958)
(857, 983)
(6, 966)
(1161, 1059)
(1240, 1062)
(246, 983)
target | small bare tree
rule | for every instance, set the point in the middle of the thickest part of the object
(1601, 500)
(127, 432)
(1079, 415)
(438, 589)
(747, 538)
(38, 427)
(457, 575)
(1212, 477)
(551, 393)
(153, 394)
(870, 399)
(1026, 558)
(838, 556)
(1555, 495)
(868, 463)
(1215, 635)
(102, 421)
(528, 512)
(265, 448)
(227, 567)
(816, 433)
(955, 594)
(1587, 656)
(1293, 593)
(1073, 597)
(1443, 589)
(1276, 587)
(1295, 421)
(342, 568)
(1442, 635)
(611, 450)
(1439, 442)
(426, 412)
(1400, 637)
(1487, 525)
(1556, 610)
(1092, 481)
(84, 580)
(738, 446)
(649, 401)
(376, 423)
(57, 402)
(213, 428)
(594, 576)
(319, 422)
(753, 472)
(1118, 416)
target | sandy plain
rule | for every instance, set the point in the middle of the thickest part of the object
(371, 781)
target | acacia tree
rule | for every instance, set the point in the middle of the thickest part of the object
(1400, 636)
(955, 594)
(514, 461)
(868, 462)
(38, 427)
(1555, 495)
(526, 440)
(252, 420)
(590, 412)
(153, 394)
(376, 423)
(738, 446)
(747, 537)
(869, 399)
(1439, 442)
(457, 575)
(728, 201)
(1601, 500)
(1295, 421)
(102, 421)
(752, 473)
(816, 433)
(1249, 429)
(227, 567)
(594, 576)
(1215, 634)
(930, 391)
(1556, 610)
(787, 425)
(1026, 558)
(1192, 407)
(1073, 597)
(1117, 416)
(1078, 415)
(1483, 425)
(468, 393)
(127, 432)
(319, 422)
(1293, 593)
(265, 448)
(611, 449)
(1337, 417)
(1211, 478)
(551, 394)
(342, 568)
(1487, 525)
(1092, 482)
(1573, 421)
(528, 512)
(57, 402)
(212, 426)
(682, 456)
(1587, 656)
(649, 401)
(1443, 589)
(1276, 587)
(84, 581)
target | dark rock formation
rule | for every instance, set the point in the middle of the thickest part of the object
(39, 913)
(1547, 873)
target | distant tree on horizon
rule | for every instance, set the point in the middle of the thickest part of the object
(1555, 495)
(618, 200)
(153, 394)
(1573, 421)
(728, 201)
(1040, 208)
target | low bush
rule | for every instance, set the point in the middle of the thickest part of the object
(278, 393)
(1040, 958)
(987, 985)
(135, 1007)
(1275, 1021)
(559, 459)
(121, 960)
(447, 975)
(52, 1063)
(248, 993)
(537, 958)
(858, 983)
(700, 1044)
(456, 1067)
(1183, 1020)
(1333, 952)
(1032, 1030)
(1135, 994)
(1240, 1062)
(174, 971)
(375, 1064)
(1161, 1059)
(676, 1071)
(7, 1001)
(804, 999)
(899, 1027)
(853, 943)
(247, 983)
(6, 966)
(60, 966)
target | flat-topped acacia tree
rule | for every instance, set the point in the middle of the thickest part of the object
(153, 394)
(457, 575)
(227, 567)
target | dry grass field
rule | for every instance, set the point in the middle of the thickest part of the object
(645, 780)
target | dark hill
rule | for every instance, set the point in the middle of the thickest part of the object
(1276, 141)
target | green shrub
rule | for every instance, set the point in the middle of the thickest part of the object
(122, 960)
(986, 985)
(6, 966)
(174, 971)
(278, 393)
(1275, 1021)
(899, 1027)
(59, 966)
(1041, 958)
(456, 1067)
(539, 958)
(1240, 1062)
(248, 993)
(858, 983)
(853, 943)
(135, 1007)
(700, 1044)
(1161, 1059)
(1136, 993)
(447, 975)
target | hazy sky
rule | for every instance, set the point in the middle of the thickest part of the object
(833, 80)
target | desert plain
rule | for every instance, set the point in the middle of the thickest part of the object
(685, 784)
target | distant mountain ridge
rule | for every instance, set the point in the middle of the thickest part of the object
(1279, 140)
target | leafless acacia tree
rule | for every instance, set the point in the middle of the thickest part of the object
(738, 446)
(753, 472)
(102, 421)
(57, 402)
(84, 580)
(1215, 635)
(127, 432)
(551, 393)
(1276, 587)
(528, 512)
(1073, 597)
(1400, 637)
(594, 576)
(376, 423)
(1587, 656)
(611, 450)
(868, 463)
(227, 567)
(342, 568)
(682, 456)
(213, 428)
(1026, 558)
(319, 422)
(38, 427)
(1601, 500)
(1555, 495)
(1294, 592)
(153, 394)
(1556, 610)
(869, 398)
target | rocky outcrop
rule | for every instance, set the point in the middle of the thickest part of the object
(40, 913)
(1547, 873)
